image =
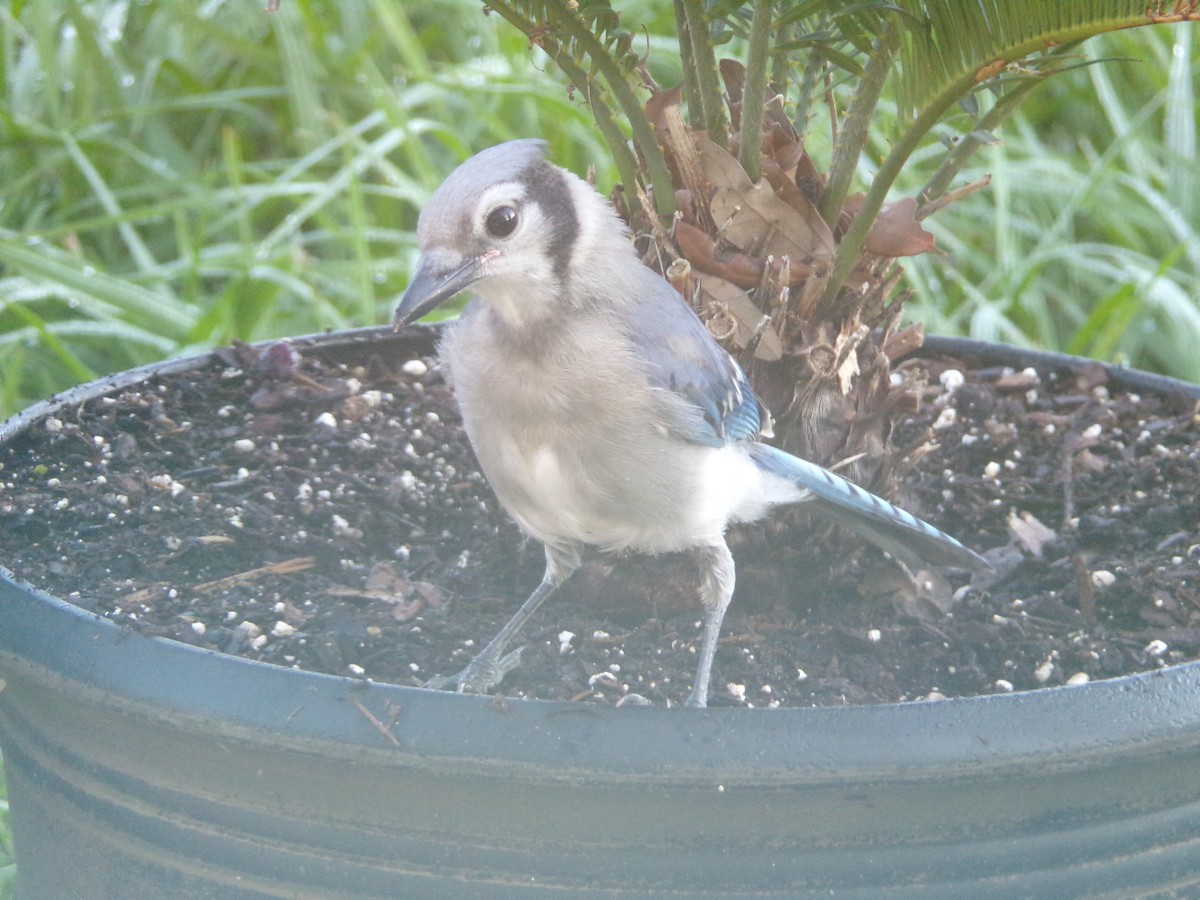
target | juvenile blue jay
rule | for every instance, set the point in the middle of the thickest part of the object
(601, 410)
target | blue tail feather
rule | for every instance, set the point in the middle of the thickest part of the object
(902, 534)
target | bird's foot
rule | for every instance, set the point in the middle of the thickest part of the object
(482, 673)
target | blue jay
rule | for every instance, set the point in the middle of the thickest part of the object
(601, 410)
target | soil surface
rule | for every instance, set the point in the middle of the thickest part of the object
(325, 514)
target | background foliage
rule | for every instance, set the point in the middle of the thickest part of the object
(1087, 239)
(178, 174)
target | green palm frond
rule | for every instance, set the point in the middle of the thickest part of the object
(947, 46)
(588, 43)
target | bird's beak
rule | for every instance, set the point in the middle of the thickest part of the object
(431, 287)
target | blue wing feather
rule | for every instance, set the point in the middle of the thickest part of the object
(682, 357)
(685, 359)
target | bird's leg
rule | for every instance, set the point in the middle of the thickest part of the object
(491, 664)
(716, 590)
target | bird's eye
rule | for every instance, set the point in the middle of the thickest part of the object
(501, 221)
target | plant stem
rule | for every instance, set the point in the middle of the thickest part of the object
(965, 148)
(813, 69)
(691, 80)
(780, 63)
(856, 128)
(755, 88)
(613, 136)
(708, 78)
(954, 90)
(643, 134)
(856, 234)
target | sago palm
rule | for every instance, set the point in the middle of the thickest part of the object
(790, 262)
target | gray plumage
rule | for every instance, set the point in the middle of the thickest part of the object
(601, 410)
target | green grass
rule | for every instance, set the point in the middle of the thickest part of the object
(179, 174)
(1088, 239)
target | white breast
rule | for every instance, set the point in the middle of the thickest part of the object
(580, 455)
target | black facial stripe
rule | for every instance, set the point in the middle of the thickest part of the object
(547, 187)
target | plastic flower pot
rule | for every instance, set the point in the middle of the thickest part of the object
(139, 767)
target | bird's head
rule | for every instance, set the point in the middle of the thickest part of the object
(510, 226)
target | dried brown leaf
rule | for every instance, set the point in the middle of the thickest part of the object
(706, 256)
(897, 232)
(786, 153)
(385, 577)
(787, 191)
(754, 219)
(746, 317)
(778, 124)
(733, 73)
(701, 251)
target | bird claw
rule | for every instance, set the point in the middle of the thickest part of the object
(481, 674)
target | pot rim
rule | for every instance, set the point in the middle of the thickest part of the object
(45, 638)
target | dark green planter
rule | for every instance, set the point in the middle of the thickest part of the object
(143, 768)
